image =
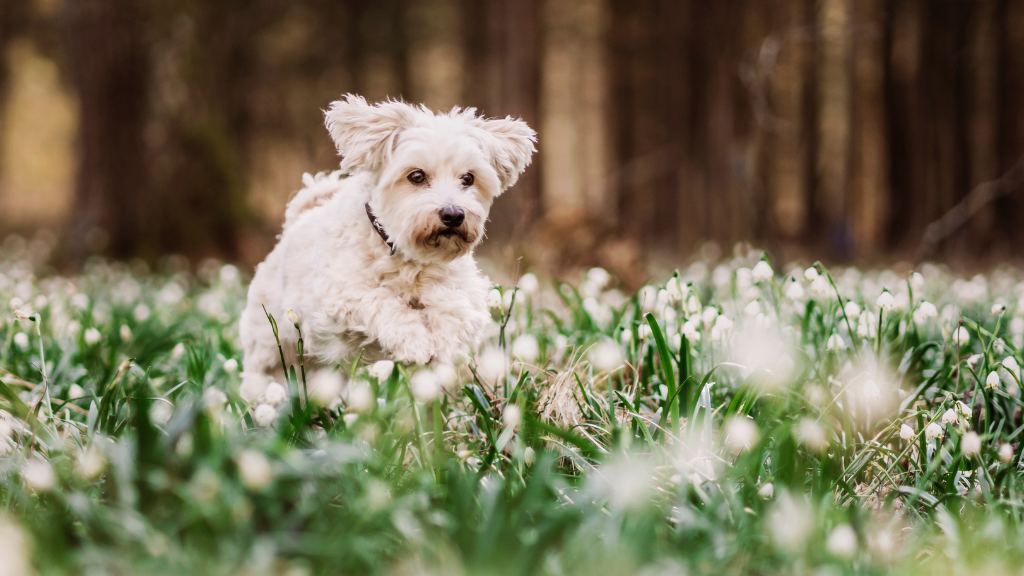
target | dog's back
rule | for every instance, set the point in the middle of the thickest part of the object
(317, 190)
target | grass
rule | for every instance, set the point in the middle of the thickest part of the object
(732, 419)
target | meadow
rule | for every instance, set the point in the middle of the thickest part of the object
(738, 416)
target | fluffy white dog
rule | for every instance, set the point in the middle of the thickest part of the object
(378, 256)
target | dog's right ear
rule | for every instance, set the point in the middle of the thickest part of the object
(366, 134)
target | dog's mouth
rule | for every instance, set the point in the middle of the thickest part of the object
(438, 236)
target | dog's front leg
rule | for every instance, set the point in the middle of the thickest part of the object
(399, 329)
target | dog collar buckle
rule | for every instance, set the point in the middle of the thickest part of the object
(379, 228)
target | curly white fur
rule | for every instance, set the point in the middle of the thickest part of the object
(427, 300)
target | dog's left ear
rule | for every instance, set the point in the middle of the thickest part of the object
(366, 134)
(510, 143)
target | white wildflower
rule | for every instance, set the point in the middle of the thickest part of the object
(794, 291)
(160, 411)
(762, 272)
(970, 444)
(973, 360)
(254, 470)
(21, 341)
(528, 283)
(359, 396)
(691, 330)
(925, 311)
(177, 352)
(90, 463)
(963, 410)
(92, 336)
(511, 416)
(1005, 453)
(605, 356)
(525, 348)
(949, 417)
(446, 375)
(992, 380)
(906, 433)
(325, 388)
(790, 522)
(675, 289)
(820, 288)
(852, 310)
(741, 434)
(293, 317)
(38, 475)
(214, 399)
(140, 313)
(961, 337)
(381, 370)
(275, 394)
(494, 299)
(125, 332)
(835, 343)
(766, 491)
(625, 481)
(1010, 363)
(842, 542)
(812, 435)
(933, 432)
(998, 309)
(492, 365)
(264, 415)
(811, 274)
(230, 366)
(424, 386)
(885, 301)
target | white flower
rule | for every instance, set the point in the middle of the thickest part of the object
(253, 387)
(790, 522)
(811, 274)
(794, 291)
(90, 463)
(820, 287)
(528, 283)
(963, 410)
(1010, 363)
(998, 309)
(275, 394)
(1005, 453)
(230, 366)
(293, 317)
(925, 311)
(264, 415)
(835, 343)
(160, 411)
(325, 388)
(852, 310)
(811, 434)
(92, 336)
(906, 433)
(525, 348)
(177, 352)
(885, 301)
(973, 360)
(605, 356)
(719, 332)
(961, 337)
(214, 399)
(741, 434)
(21, 341)
(125, 332)
(970, 444)
(598, 277)
(140, 313)
(675, 289)
(949, 417)
(254, 470)
(992, 380)
(381, 370)
(511, 416)
(446, 375)
(842, 542)
(38, 475)
(76, 391)
(762, 272)
(691, 330)
(359, 396)
(492, 365)
(916, 280)
(766, 491)
(424, 386)
(933, 432)
(494, 299)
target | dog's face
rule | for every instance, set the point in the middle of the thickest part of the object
(436, 174)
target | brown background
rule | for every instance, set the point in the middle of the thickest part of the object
(852, 130)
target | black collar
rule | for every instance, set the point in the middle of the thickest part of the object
(379, 228)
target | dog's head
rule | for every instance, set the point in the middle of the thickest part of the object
(436, 174)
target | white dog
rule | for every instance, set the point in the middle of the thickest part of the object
(378, 256)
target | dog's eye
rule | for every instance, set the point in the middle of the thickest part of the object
(468, 179)
(417, 177)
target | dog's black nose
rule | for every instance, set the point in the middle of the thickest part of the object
(452, 216)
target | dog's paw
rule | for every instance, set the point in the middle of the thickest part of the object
(413, 354)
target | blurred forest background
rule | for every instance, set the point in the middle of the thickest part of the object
(852, 130)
